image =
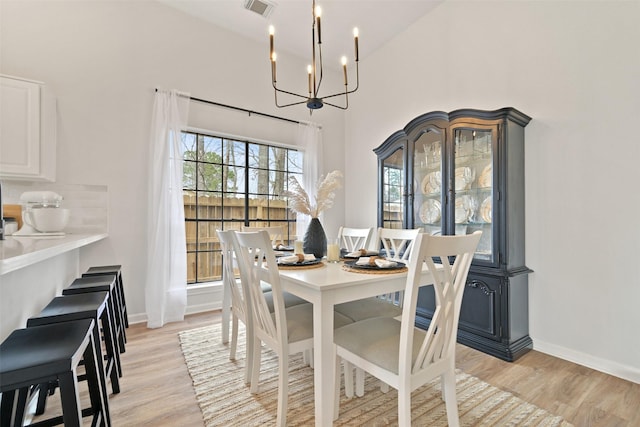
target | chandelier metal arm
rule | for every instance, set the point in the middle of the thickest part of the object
(275, 95)
(338, 106)
(346, 92)
(288, 93)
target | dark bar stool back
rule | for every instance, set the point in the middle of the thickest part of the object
(41, 354)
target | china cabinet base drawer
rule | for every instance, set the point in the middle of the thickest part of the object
(493, 316)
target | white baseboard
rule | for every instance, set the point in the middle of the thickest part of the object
(200, 299)
(625, 372)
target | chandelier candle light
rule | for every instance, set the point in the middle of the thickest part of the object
(314, 70)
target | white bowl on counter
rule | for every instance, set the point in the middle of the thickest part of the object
(47, 220)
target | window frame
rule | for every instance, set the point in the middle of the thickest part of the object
(225, 223)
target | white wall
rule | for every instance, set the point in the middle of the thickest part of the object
(574, 67)
(103, 60)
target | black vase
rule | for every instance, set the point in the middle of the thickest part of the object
(315, 241)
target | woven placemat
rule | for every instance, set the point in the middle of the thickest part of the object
(300, 267)
(366, 271)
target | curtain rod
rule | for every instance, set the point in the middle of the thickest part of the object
(250, 112)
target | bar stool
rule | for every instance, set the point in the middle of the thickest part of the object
(106, 283)
(103, 283)
(117, 270)
(91, 305)
(40, 354)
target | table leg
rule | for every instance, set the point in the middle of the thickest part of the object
(324, 362)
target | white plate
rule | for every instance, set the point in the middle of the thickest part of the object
(485, 210)
(430, 211)
(486, 177)
(431, 183)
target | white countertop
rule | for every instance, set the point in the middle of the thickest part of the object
(18, 252)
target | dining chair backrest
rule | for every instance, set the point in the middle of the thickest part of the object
(238, 295)
(276, 233)
(257, 263)
(449, 280)
(397, 242)
(353, 239)
(238, 303)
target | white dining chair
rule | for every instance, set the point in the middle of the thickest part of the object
(239, 304)
(286, 331)
(232, 290)
(396, 244)
(353, 239)
(276, 233)
(396, 351)
(277, 237)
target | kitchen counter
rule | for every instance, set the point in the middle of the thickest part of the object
(19, 252)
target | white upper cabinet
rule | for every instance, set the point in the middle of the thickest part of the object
(27, 130)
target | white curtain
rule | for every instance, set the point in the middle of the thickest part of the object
(166, 286)
(310, 139)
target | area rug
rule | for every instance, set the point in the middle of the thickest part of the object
(226, 401)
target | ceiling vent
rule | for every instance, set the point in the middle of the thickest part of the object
(261, 7)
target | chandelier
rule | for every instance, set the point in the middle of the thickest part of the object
(314, 70)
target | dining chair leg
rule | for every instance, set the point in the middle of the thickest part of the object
(451, 402)
(348, 379)
(283, 388)
(255, 369)
(404, 407)
(249, 344)
(336, 387)
(234, 338)
(360, 382)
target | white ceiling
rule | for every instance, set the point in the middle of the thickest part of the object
(378, 21)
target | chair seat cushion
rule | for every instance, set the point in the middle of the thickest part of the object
(368, 308)
(290, 300)
(377, 340)
(300, 322)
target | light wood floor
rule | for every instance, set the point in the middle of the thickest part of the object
(156, 387)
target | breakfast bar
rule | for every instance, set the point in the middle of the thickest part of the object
(33, 271)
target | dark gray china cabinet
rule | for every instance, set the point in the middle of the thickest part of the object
(455, 173)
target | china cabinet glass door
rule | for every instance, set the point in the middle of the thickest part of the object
(472, 186)
(393, 190)
(428, 200)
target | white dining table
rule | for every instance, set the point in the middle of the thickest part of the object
(325, 287)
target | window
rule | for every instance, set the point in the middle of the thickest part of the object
(228, 183)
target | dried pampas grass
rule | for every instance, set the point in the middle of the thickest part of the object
(300, 202)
